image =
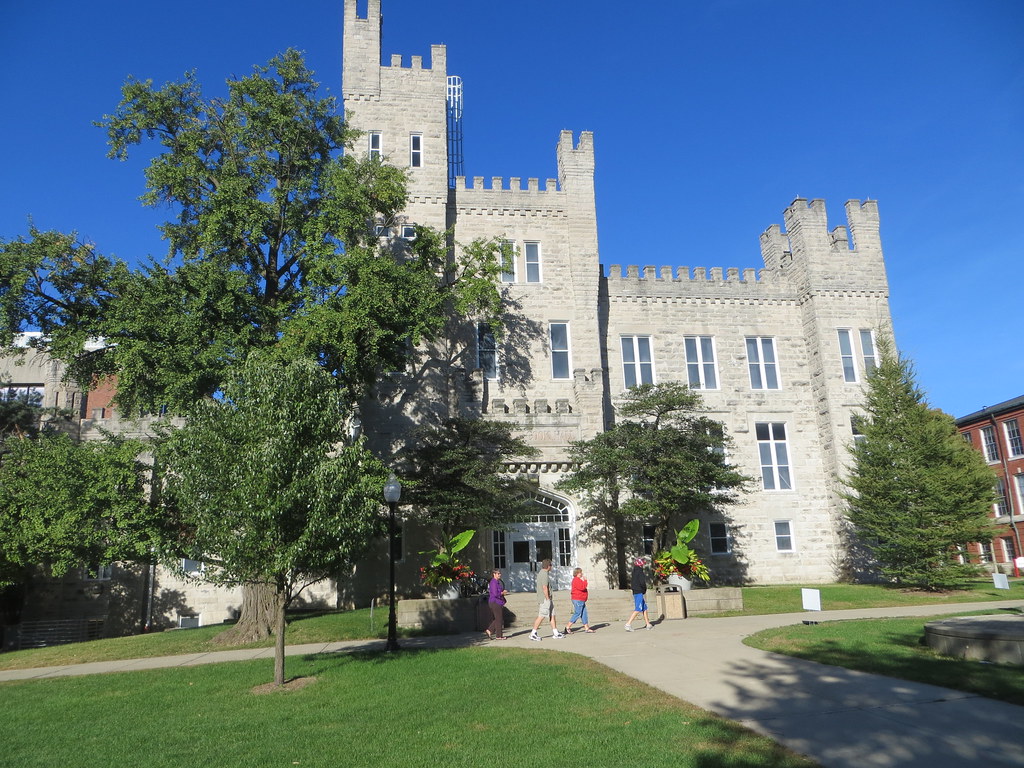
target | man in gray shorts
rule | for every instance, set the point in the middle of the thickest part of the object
(547, 604)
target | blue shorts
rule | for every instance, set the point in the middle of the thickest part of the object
(639, 603)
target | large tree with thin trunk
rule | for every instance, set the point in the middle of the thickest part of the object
(272, 248)
(264, 489)
(663, 461)
(919, 494)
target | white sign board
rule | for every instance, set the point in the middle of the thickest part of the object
(1020, 562)
(812, 599)
(1000, 581)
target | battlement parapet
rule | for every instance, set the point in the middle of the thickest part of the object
(693, 282)
(515, 184)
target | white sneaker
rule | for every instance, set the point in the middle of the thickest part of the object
(557, 635)
(535, 636)
(649, 626)
(629, 627)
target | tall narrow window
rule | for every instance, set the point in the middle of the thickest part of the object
(637, 362)
(988, 442)
(867, 348)
(1009, 550)
(855, 424)
(564, 547)
(532, 253)
(700, 362)
(718, 533)
(1000, 506)
(761, 362)
(508, 261)
(784, 536)
(846, 355)
(498, 549)
(376, 145)
(647, 539)
(1013, 438)
(774, 455)
(486, 351)
(415, 150)
(559, 336)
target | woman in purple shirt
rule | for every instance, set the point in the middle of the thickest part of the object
(496, 600)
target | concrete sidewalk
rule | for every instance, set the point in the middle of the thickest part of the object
(841, 719)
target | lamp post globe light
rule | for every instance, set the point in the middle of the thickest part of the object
(392, 493)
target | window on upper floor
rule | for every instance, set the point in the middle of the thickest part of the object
(774, 455)
(531, 251)
(761, 362)
(848, 353)
(637, 361)
(31, 394)
(1014, 444)
(784, 536)
(486, 351)
(855, 425)
(989, 445)
(415, 150)
(701, 372)
(381, 230)
(508, 261)
(409, 231)
(999, 507)
(561, 365)
(718, 535)
(376, 145)
(967, 436)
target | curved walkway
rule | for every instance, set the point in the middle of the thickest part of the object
(840, 718)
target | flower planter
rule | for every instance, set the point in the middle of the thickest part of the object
(680, 581)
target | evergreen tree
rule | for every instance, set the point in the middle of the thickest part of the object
(919, 494)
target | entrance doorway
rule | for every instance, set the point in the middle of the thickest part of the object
(520, 549)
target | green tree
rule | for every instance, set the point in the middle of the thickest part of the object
(458, 479)
(265, 490)
(918, 492)
(272, 248)
(64, 504)
(663, 460)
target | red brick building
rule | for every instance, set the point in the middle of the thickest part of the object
(998, 433)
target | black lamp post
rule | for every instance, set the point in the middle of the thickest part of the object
(392, 493)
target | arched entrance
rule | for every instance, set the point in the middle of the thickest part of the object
(547, 534)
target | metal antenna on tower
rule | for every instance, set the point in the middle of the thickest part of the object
(454, 98)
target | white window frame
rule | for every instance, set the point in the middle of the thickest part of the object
(849, 349)
(415, 150)
(760, 369)
(989, 445)
(499, 549)
(1000, 507)
(381, 230)
(197, 568)
(566, 352)
(375, 145)
(773, 456)
(509, 260)
(637, 366)
(1018, 482)
(532, 257)
(858, 436)
(697, 368)
(408, 232)
(185, 621)
(719, 532)
(868, 350)
(1014, 440)
(781, 536)
(846, 355)
(490, 373)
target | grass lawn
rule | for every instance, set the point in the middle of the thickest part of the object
(893, 647)
(468, 707)
(758, 601)
(311, 628)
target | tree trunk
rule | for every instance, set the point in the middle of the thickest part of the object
(258, 617)
(279, 641)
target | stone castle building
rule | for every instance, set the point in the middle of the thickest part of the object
(778, 353)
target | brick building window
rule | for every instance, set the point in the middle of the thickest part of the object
(532, 253)
(848, 355)
(558, 334)
(637, 361)
(988, 443)
(999, 507)
(1013, 438)
(700, 362)
(761, 362)
(774, 454)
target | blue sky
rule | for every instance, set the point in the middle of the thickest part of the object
(709, 119)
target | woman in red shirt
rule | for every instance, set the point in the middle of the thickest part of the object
(579, 602)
